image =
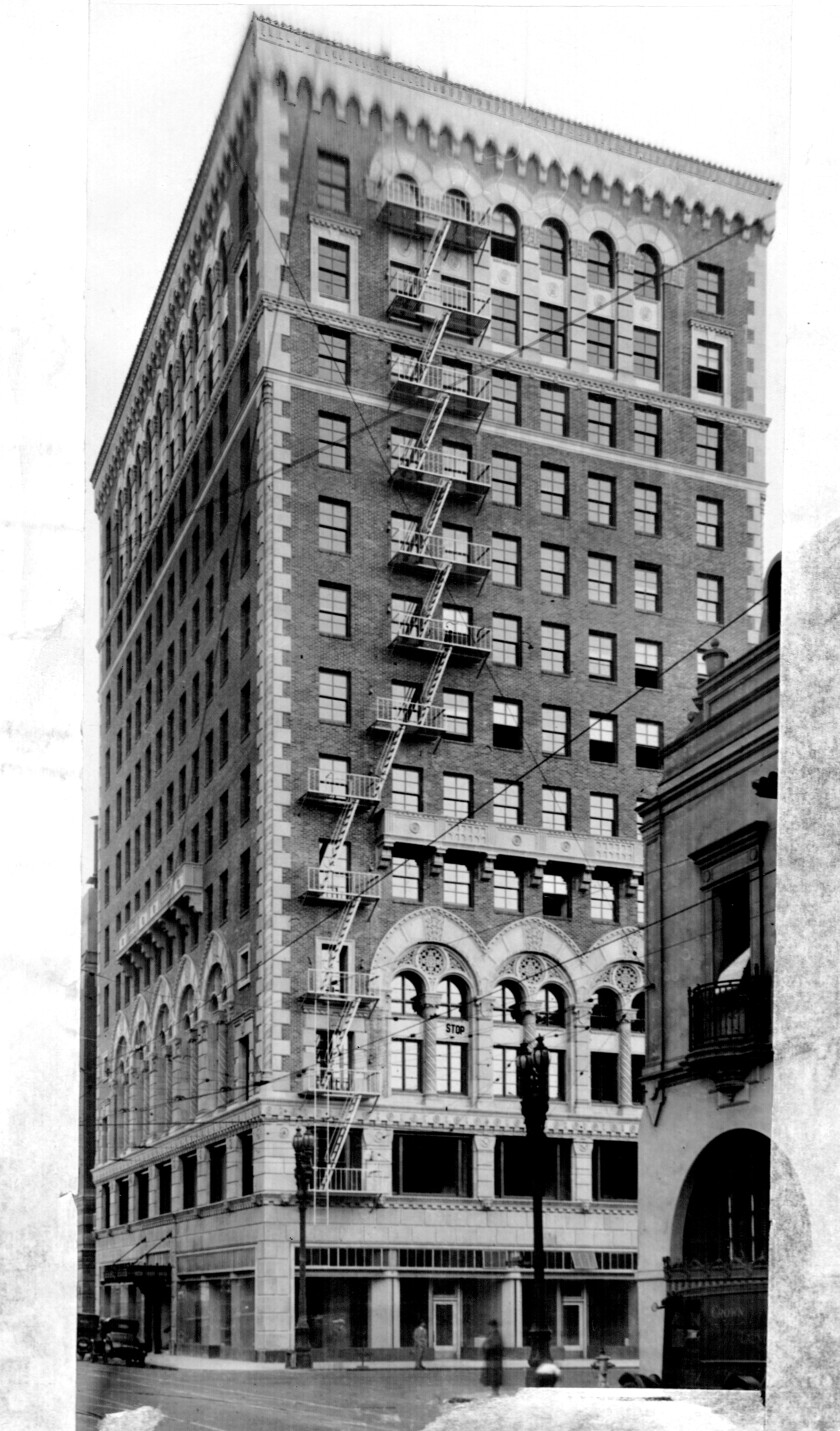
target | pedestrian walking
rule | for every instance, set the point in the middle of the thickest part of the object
(494, 1352)
(421, 1341)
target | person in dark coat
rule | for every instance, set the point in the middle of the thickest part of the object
(493, 1358)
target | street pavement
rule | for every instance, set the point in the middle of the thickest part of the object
(214, 1398)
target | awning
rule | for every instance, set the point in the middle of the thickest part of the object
(138, 1272)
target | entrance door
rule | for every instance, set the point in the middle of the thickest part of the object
(571, 1324)
(445, 1330)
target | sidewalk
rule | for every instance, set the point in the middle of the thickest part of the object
(165, 1361)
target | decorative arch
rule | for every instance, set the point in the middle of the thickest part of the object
(723, 1208)
(430, 925)
(215, 953)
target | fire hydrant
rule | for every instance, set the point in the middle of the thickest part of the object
(602, 1365)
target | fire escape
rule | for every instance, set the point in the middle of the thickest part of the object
(439, 307)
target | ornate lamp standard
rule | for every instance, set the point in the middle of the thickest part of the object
(532, 1062)
(304, 1146)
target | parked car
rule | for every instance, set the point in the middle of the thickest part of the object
(88, 1336)
(121, 1341)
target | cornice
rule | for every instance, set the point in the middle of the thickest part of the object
(525, 367)
(330, 221)
(390, 73)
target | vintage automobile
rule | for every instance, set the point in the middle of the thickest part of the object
(88, 1336)
(121, 1341)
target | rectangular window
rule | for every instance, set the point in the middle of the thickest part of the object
(554, 409)
(602, 656)
(407, 789)
(614, 1171)
(709, 522)
(556, 808)
(224, 898)
(709, 366)
(504, 320)
(333, 526)
(505, 560)
(603, 814)
(554, 570)
(405, 879)
(189, 1169)
(507, 640)
(507, 724)
(600, 342)
(333, 610)
(648, 663)
(216, 1160)
(601, 583)
(647, 587)
(709, 288)
(600, 421)
(604, 1077)
(648, 744)
(647, 510)
(512, 1171)
(245, 795)
(504, 480)
(436, 1164)
(603, 738)
(333, 194)
(552, 330)
(224, 823)
(334, 697)
(507, 803)
(504, 1084)
(457, 796)
(554, 649)
(709, 445)
(246, 1140)
(554, 490)
(333, 441)
(164, 1182)
(405, 1065)
(710, 598)
(603, 901)
(333, 270)
(504, 399)
(507, 891)
(646, 354)
(333, 356)
(600, 501)
(244, 881)
(457, 714)
(647, 431)
(457, 884)
(555, 730)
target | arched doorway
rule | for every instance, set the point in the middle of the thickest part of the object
(716, 1305)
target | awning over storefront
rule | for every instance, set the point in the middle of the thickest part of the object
(138, 1272)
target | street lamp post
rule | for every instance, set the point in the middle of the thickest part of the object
(532, 1062)
(304, 1146)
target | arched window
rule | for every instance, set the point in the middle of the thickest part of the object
(404, 994)
(600, 267)
(506, 1003)
(188, 1060)
(551, 1007)
(406, 1035)
(216, 1037)
(453, 999)
(648, 272)
(605, 1010)
(121, 1110)
(727, 1218)
(223, 264)
(170, 390)
(504, 236)
(182, 354)
(162, 1075)
(194, 331)
(208, 298)
(553, 249)
(459, 205)
(639, 1004)
(141, 1090)
(406, 191)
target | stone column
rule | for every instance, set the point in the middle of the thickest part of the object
(178, 1054)
(196, 1040)
(580, 1086)
(510, 1312)
(582, 1170)
(429, 1048)
(384, 1310)
(625, 1065)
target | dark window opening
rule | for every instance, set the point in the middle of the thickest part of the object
(513, 1168)
(430, 1163)
(614, 1172)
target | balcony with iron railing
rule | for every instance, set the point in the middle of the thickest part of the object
(432, 467)
(340, 1180)
(427, 635)
(417, 719)
(325, 886)
(412, 380)
(429, 553)
(340, 985)
(328, 788)
(442, 833)
(729, 1026)
(406, 208)
(341, 1083)
(413, 300)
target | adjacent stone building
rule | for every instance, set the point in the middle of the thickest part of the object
(704, 1141)
(443, 441)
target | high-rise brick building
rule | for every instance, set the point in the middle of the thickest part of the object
(443, 440)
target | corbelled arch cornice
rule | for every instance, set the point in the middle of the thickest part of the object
(499, 127)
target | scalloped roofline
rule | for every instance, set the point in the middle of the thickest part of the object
(542, 119)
